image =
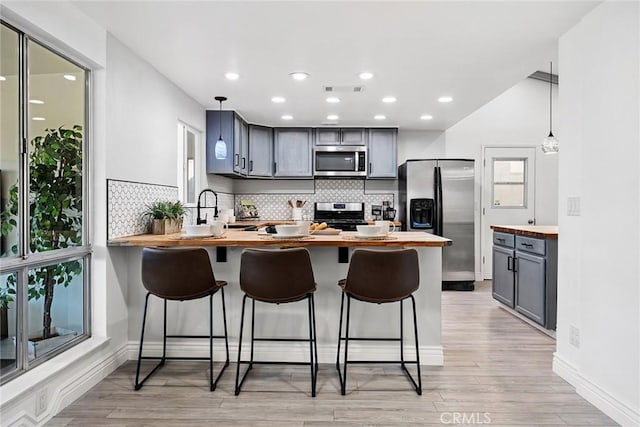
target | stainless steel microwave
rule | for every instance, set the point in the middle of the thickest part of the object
(340, 160)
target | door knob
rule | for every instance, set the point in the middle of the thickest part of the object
(531, 221)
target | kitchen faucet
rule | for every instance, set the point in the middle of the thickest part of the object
(215, 208)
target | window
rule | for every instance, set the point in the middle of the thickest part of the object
(509, 183)
(44, 244)
(188, 158)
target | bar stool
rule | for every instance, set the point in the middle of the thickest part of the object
(180, 274)
(276, 277)
(380, 277)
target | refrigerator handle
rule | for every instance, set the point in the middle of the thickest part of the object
(438, 196)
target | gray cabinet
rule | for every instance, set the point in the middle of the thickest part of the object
(293, 153)
(383, 159)
(525, 276)
(344, 136)
(260, 153)
(240, 145)
(229, 160)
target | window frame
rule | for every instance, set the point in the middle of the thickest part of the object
(183, 128)
(24, 260)
(524, 182)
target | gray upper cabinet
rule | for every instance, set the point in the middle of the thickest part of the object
(225, 162)
(345, 136)
(292, 152)
(383, 158)
(260, 151)
(240, 145)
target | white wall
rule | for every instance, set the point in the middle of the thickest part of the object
(598, 273)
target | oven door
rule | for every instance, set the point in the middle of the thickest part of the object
(339, 161)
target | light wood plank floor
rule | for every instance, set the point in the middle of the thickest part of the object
(498, 373)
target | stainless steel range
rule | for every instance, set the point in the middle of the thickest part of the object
(343, 216)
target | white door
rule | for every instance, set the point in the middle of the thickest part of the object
(508, 193)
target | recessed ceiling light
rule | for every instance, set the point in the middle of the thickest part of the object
(333, 100)
(445, 99)
(426, 117)
(299, 75)
(332, 117)
(287, 117)
(278, 99)
(2, 78)
(39, 119)
(379, 117)
(36, 101)
(365, 75)
(389, 99)
(232, 76)
(70, 77)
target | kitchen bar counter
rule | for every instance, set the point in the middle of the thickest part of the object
(265, 222)
(542, 231)
(239, 238)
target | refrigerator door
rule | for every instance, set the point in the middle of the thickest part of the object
(457, 207)
(419, 185)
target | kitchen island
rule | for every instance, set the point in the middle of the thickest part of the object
(369, 321)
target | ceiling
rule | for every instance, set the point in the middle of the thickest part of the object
(418, 51)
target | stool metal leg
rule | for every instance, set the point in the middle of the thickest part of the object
(312, 361)
(253, 328)
(212, 385)
(340, 336)
(343, 385)
(415, 330)
(401, 334)
(238, 382)
(138, 384)
(224, 321)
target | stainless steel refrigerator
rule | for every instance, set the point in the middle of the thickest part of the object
(437, 196)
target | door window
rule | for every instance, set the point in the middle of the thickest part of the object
(509, 183)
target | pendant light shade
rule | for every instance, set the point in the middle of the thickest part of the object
(550, 143)
(220, 148)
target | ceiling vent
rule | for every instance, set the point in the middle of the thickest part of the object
(343, 89)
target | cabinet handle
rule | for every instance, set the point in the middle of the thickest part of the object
(509, 261)
(244, 163)
(237, 160)
(250, 165)
(516, 261)
(275, 167)
(526, 245)
(370, 167)
(500, 239)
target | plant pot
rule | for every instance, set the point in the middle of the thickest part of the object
(41, 346)
(166, 226)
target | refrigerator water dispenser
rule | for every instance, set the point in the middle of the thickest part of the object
(421, 213)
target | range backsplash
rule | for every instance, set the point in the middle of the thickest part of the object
(274, 205)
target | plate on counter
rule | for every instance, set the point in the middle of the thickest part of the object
(363, 237)
(290, 237)
(327, 232)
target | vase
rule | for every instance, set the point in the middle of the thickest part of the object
(166, 226)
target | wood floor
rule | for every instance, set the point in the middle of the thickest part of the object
(497, 373)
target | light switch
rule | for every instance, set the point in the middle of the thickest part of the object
(573, 206)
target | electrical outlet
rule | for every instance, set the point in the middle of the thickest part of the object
(41, 401)
(573, 206)
(574, 336)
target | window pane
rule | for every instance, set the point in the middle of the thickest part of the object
(9, 138)
(8, 317)
(190, 151)
(55, 151)
(509, 170)
(55, 310)
(508, 195)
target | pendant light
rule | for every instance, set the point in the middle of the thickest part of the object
(550, 143)
(220, 149)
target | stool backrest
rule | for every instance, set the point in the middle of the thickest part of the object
(383, 276)
(282, 275)
(177, 273)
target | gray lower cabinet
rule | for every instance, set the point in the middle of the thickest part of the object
(525, 276)
(383, 160)
(260, 151)
(293, 149)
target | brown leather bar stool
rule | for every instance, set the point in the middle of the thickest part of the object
(380, 277)
(277, 277)
(180, 274)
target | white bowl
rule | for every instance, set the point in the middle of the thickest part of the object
(369, 230)
(287, 229)
(197, 230)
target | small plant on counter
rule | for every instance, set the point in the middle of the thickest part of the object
(164, 217)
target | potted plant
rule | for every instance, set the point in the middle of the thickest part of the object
(164, 217)
(55, 214)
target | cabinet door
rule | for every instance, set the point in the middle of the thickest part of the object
(219, 164)
(353, 137)
(530, 286)
(237, 144)
(327, 136)
(503, 278)
(293, 151)
(383, 161)
(260, 151)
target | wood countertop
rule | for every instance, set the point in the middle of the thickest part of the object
(543, 231)
(263, 223)
(253, 239)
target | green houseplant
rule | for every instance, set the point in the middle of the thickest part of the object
(164, 217)
(55, 214)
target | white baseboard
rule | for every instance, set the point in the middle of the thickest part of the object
(289, 352)
(65, 382)
(620, 412)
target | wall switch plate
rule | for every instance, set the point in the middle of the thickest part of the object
(574, 336)
(573, 206)
(41, 401)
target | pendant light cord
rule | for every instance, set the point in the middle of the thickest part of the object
(550, 98)
(220, 116)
